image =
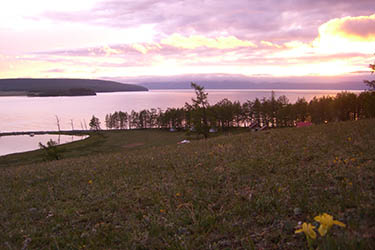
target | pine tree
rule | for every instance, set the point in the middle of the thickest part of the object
(94, 123)
(199, 110)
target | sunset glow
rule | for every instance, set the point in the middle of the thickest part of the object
(105, 38)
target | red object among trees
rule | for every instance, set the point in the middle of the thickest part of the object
(303, 124)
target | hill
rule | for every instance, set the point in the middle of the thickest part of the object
(244, 191)
(53, 87)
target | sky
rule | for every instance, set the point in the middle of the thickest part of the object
(121, 38)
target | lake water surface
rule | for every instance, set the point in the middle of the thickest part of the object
(20, 113)
(21, 143)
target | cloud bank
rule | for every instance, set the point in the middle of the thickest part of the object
(108, 38)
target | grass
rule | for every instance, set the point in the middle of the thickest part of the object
(98, 143)
(229, 192)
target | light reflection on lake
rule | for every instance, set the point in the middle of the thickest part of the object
(19, 113)
(22, 143)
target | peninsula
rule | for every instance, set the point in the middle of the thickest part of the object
(62, 87)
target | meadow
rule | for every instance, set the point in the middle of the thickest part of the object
(99, 142)
(141, 190)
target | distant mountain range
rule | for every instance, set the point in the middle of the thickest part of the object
(254, 85)
(64, 87)
(231, 81)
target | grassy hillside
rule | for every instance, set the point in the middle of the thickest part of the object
(99, 143)
(229, 192)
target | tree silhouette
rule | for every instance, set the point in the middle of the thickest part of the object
(199, 116)
(371, 84)
(51, 151)
(94, 123)
(199, 110)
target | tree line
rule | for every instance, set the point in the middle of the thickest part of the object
(200, 116)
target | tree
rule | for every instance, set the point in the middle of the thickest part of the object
(143, 118)
(283, 112)
(199, 110)
(366, 102)
(224, 113)
(94, 123)
(108, 122)
(58, 123)
(322, 109)
(152, 118)
(123, 119)
(51, 151)
(257, 112)
(134, 120)
(371, 84)
(300, 109)
(346, 106)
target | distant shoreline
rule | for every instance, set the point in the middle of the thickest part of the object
(65, 132)
(13, 93)
(40, 94)
(29, 94)
(49, 87)
(26, 94)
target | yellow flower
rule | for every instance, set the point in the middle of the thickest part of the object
(308, 229)
(90, 181)
(349, 138)
(178, 194)
(326, 222)
(162, 211)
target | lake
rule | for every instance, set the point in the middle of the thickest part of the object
(21, 143)
(20, 113)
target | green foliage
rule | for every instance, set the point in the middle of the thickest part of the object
(50, 150)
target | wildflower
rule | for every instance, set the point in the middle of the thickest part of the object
(326, 222)
(308, 229)
(178, 194)
(162, 210)
(90, 181)
(349, 138)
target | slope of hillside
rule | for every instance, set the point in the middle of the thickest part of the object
(65, 86)
(245, 191)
